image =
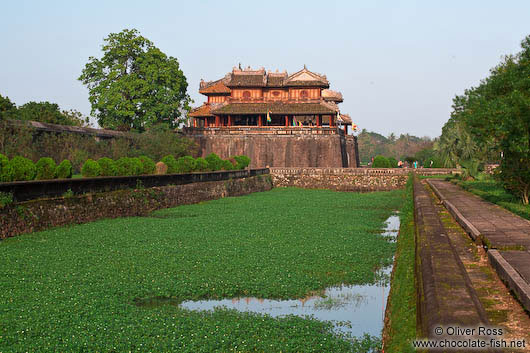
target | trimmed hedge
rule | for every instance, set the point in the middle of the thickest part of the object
(128, 166)
(242, 161)
(64, 170)
(381, 162)
(148, 165)
(201, 165)
(108, 167)
(22, 169)
(185, 164)
(214, 162)
(6, 173)
(171, 163)
(45, 168)
(91, 168)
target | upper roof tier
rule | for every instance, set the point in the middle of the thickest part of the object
(261, 78)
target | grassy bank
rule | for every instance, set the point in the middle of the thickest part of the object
(400, 325)
(492, 191)
(75, 288)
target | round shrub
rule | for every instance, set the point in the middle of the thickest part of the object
(380, 162)
(125, 166)
(227, 165)
(136, 166)
(6, 173)
(171, 164)
(242, 161)
(22, 168)
(201, 165)
(393, 162)
(64, 170)
(91, 168)
(108, 167)
(45, 168)
(214, 162)
(185, 164)
(148, 165)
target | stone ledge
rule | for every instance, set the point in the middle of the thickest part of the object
(510, 276)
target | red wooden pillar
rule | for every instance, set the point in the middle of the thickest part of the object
(217, 120)
(194, 122)
(319, 118)
(206, 122)
(260, 122)
(331, 122)
(286, 120)
(230, 120)
(345, 129)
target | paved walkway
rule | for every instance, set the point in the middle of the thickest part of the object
(506, 235)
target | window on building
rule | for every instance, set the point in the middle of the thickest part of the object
(246, 95)
(304, 94)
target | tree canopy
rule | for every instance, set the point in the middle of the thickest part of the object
(496, 114)
(47, 112)
(44, 112)
(7, 108)
(135, 85)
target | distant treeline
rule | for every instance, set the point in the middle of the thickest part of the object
(405, 147)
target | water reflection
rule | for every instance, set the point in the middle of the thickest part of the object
(354, 309)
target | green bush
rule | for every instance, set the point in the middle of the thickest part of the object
(91, 168)
(148, 165)
(227, 165)
(201, 165)
(242, 161)
(45, 168)
(64, 170)
(136, 166)
(171, 164)
(6, 199)
(126, 166)
(185, 164)
(108, 167)
(6, 173)
(380, 162)
(23, 169)
(214, 162)
(393, 162)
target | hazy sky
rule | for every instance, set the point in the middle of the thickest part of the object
(397, 63)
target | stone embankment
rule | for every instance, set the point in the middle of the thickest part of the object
(445, 294)
(348, 179)
(506, 235)
(40, 214)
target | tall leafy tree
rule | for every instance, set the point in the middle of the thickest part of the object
(134, 85)
(8, 109)
(47, 112)
(498, 111)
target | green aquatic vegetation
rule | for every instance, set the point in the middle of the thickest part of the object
(76, 288)
(400, 325)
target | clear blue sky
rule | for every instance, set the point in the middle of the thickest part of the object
(397, 63)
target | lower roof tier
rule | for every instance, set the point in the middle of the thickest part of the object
(264, 108)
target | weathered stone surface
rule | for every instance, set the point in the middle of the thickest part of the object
(30, 216)
(496, 227)
(275, 150)
(445, 294)
(161, 168)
